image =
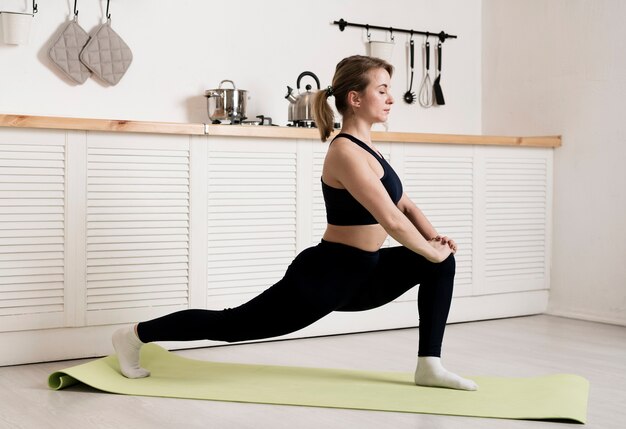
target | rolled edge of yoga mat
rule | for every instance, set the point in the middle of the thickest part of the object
(59, 380)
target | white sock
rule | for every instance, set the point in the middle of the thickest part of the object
(430, 372)
(127, 346)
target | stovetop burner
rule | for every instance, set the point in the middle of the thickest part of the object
(261, 120)
(302, 124)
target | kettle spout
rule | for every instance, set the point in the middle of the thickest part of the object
(290, 97)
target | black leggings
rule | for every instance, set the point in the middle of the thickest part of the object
(321, 279)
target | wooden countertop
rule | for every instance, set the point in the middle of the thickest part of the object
(85, 124)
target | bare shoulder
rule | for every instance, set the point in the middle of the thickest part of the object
(346, 162)
(343, 151)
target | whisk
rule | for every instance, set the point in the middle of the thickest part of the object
(426, 90)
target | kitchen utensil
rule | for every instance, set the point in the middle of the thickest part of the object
(437, 85)
(65, 51)
(301, 105)
(409, 96)
(226, 104)
(426, 89)
(382, 50)
(106, 54)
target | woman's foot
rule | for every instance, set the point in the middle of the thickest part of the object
(430, 372)
(127, 346)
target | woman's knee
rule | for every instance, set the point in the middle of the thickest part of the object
(448, 265)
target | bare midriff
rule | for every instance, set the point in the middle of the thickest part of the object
(365, 237)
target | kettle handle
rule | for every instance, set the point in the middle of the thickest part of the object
(308, 73)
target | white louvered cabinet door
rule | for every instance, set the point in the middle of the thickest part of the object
(251, 217)
(32, 229)
(440, 181)
(137, 226)
(516, 219)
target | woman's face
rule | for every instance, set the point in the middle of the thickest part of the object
(376, 99)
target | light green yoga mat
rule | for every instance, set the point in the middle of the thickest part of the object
(552, 397)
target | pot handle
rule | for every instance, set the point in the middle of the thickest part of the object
(226, 80)
(308, 73)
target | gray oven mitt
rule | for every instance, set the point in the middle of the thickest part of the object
(65, 50)
(107, 55)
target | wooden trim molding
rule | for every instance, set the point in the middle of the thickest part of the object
(85, 124)
(115, 125)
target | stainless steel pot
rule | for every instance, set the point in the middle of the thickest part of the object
(226, 104)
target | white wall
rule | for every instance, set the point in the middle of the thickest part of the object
(181, 48)
(559, 67)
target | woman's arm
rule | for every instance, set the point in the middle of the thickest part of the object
(350, 168)
(417, 217)
(421, 222)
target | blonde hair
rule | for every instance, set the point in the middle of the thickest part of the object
(351, 74)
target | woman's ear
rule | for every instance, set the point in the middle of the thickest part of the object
(354, 99)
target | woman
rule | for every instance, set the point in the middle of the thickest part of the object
(347, 270)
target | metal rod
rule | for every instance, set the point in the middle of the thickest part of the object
(343, 24)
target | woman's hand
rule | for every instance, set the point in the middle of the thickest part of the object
(441, 251)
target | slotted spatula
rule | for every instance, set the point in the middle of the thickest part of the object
(437, 85)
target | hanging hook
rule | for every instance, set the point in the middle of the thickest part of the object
(34, 7)
(75, 10)
(108, 15)
(411, 38)
(367, 29)
(391, 32)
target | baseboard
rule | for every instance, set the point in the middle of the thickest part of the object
(590, 317)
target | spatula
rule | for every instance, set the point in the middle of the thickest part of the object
(437, 85)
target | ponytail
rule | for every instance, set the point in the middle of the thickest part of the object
(323, 114)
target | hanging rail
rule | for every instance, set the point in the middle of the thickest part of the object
(442, 36)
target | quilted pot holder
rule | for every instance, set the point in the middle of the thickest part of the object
(65, 51)
(107, 55)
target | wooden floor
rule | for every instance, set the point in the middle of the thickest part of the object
(524, 346)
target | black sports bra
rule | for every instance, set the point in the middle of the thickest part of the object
(343, 209)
